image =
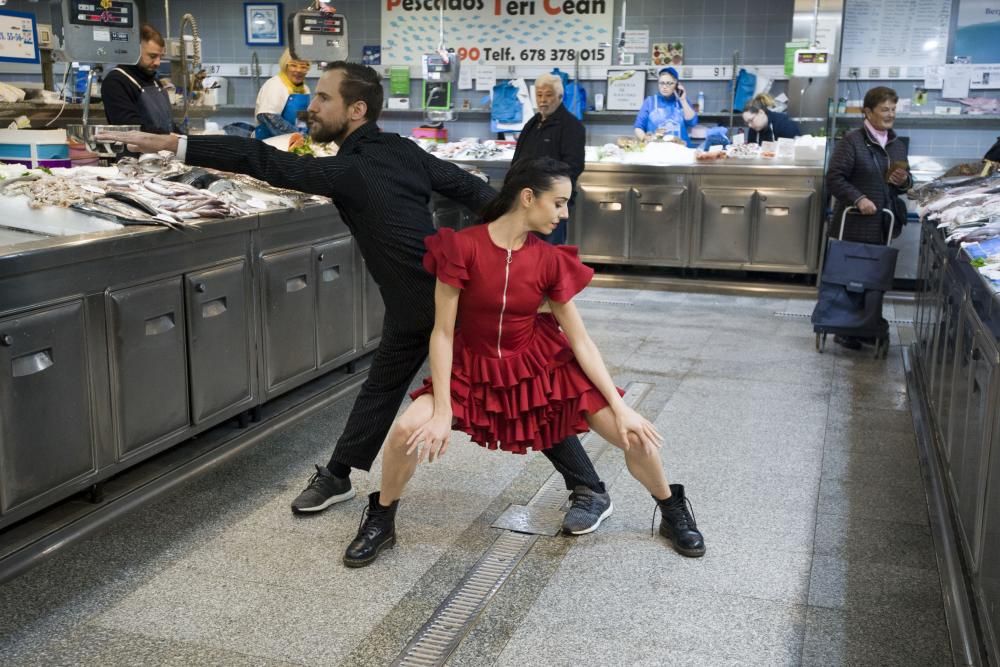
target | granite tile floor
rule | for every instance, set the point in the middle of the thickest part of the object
(801, 467)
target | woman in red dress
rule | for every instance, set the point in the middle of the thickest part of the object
(517, 379)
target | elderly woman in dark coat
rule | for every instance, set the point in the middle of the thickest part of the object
(869, 170)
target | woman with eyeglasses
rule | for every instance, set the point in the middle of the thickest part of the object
(282, 98)
(765, 124)
(667, 114)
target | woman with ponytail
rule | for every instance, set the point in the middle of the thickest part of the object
(510, 377)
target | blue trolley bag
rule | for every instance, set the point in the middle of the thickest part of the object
(854, 280)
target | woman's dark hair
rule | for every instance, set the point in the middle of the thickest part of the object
(538, 174)
(878, 95)
(362, 83)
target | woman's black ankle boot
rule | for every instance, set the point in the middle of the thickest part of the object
(678, 524)
(377, 532)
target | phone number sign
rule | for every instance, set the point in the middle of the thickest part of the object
(499, 32)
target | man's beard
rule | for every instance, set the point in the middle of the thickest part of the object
(325, 133)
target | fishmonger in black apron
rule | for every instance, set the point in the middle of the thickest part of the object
(154, 105)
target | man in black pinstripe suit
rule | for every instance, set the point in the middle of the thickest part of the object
(381, 184)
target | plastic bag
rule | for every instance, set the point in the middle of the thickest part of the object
(505, 108)
(715, 136)
(746, 84)
(574, 95)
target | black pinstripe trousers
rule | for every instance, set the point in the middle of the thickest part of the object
(397, 360)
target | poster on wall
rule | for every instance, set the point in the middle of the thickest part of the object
(497, 32)
(978, 31)
(626, 89)
(670, 53)
(18, 38)
(883, 32)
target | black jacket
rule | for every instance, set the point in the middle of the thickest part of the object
(561, 136)
(858, 169)
(381, 184)
(779, 126)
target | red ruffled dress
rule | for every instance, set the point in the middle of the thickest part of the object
(515, 384)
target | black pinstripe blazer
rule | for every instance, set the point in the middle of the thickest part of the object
(381, 184)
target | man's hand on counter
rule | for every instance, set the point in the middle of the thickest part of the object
(142, 142)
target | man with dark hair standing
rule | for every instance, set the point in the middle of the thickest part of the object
(133, 94)
(381, 184)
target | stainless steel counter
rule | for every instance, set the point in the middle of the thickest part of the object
(117, 345)
(756, 215)
(957, 364)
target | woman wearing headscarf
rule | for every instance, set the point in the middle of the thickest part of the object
(667, 113)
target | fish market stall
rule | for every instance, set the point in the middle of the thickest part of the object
(957, 364)
(672, 206)
(148, 302)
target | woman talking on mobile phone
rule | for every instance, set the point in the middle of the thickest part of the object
(667, 113)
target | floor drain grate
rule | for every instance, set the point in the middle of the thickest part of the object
(442, 634)
(806, 316)
(434, 643)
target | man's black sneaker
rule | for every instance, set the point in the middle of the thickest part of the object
(322, 491)
(376, 532)
(678, 524)
(589, 508)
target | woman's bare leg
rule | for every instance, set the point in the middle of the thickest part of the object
(646, 467)
(397, 465)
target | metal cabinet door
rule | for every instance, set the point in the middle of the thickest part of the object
(947, 379)
(602, 219)
(46, 434)
(931, 312)
(659, 218)
(149, 364)
(920, 286)
(373, 311)
(781, 231)
(725, 225)
(952, 297)
(289, 315)
(969, 466)
(988, 578)
(952, 426)
(335, 297)
(218, 339)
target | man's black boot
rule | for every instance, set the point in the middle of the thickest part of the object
(377, 532)
(678, 524)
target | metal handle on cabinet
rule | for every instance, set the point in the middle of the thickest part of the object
(611, 206)
(32, 364)
(200, 288)
(777, 211)
(637, 193)
(296, 283)
(6, 340)
(158, 325)
(320, 257)
(763, 197)
(732, 210)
